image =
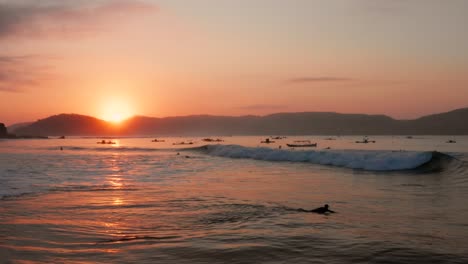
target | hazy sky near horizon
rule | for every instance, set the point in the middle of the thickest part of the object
(403, 58)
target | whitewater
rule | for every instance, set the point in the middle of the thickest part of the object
(398, 200)
(353, 159)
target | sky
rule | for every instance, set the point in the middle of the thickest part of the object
(115, 58)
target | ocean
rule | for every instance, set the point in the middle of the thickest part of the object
(397, 200)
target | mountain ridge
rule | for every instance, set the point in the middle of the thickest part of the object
(296, 123)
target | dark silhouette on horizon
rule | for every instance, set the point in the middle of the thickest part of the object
(267, 141)
(306, 123)
(5, 134)
(3, 131)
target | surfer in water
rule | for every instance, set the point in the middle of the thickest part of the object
(320, 210)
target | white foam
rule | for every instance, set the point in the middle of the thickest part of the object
(354, 159)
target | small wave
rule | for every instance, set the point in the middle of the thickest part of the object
(110, 148)
(91, 188)
(133, 238)
(235, 214)
(354, 159)
(13, 196)
(17, 194)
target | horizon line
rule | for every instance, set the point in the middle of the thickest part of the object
(246, 115)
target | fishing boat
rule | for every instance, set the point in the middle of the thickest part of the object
(278, 137)
(365, 141)
(302, 145)
(106, 142)
(212, 140)
(183, 143)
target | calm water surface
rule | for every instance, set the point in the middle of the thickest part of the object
(143, 202)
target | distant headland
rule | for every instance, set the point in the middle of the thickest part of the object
(4, 134)
(303, 123)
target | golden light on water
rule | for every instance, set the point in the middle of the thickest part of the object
(116, 182)
(116, 143)
(117, 201)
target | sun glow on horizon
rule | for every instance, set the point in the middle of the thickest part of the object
(116, 111)
(116, 117)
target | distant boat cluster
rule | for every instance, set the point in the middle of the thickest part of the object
(106, 142)
(183, 143)
(212, 140)
(301, 143)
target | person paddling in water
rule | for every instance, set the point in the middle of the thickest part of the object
(320, 210)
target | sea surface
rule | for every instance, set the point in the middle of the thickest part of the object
(398, 200)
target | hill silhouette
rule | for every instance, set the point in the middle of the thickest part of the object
(12, 128)
(3, 131)
(67, 124)
(450, 123)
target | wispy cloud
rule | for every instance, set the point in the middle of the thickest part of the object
(263, 107)
(17, 73)
(308, 79)
(32, 18)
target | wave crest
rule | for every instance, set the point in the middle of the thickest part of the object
(353, 159)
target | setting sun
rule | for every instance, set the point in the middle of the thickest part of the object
(116, 111)
(116, 117)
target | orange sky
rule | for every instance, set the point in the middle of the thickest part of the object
(112, 59)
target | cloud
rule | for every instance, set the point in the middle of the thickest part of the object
(32, 18)
(17, 73)
(263, 107)
(58, 19)
(307, 79)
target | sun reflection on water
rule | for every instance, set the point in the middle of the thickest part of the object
(115, 182)
(117, 201)
(116, 143)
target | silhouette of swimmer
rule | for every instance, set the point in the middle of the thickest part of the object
(320, 210)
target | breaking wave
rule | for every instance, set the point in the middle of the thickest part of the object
(370, 160)
(353, 159)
